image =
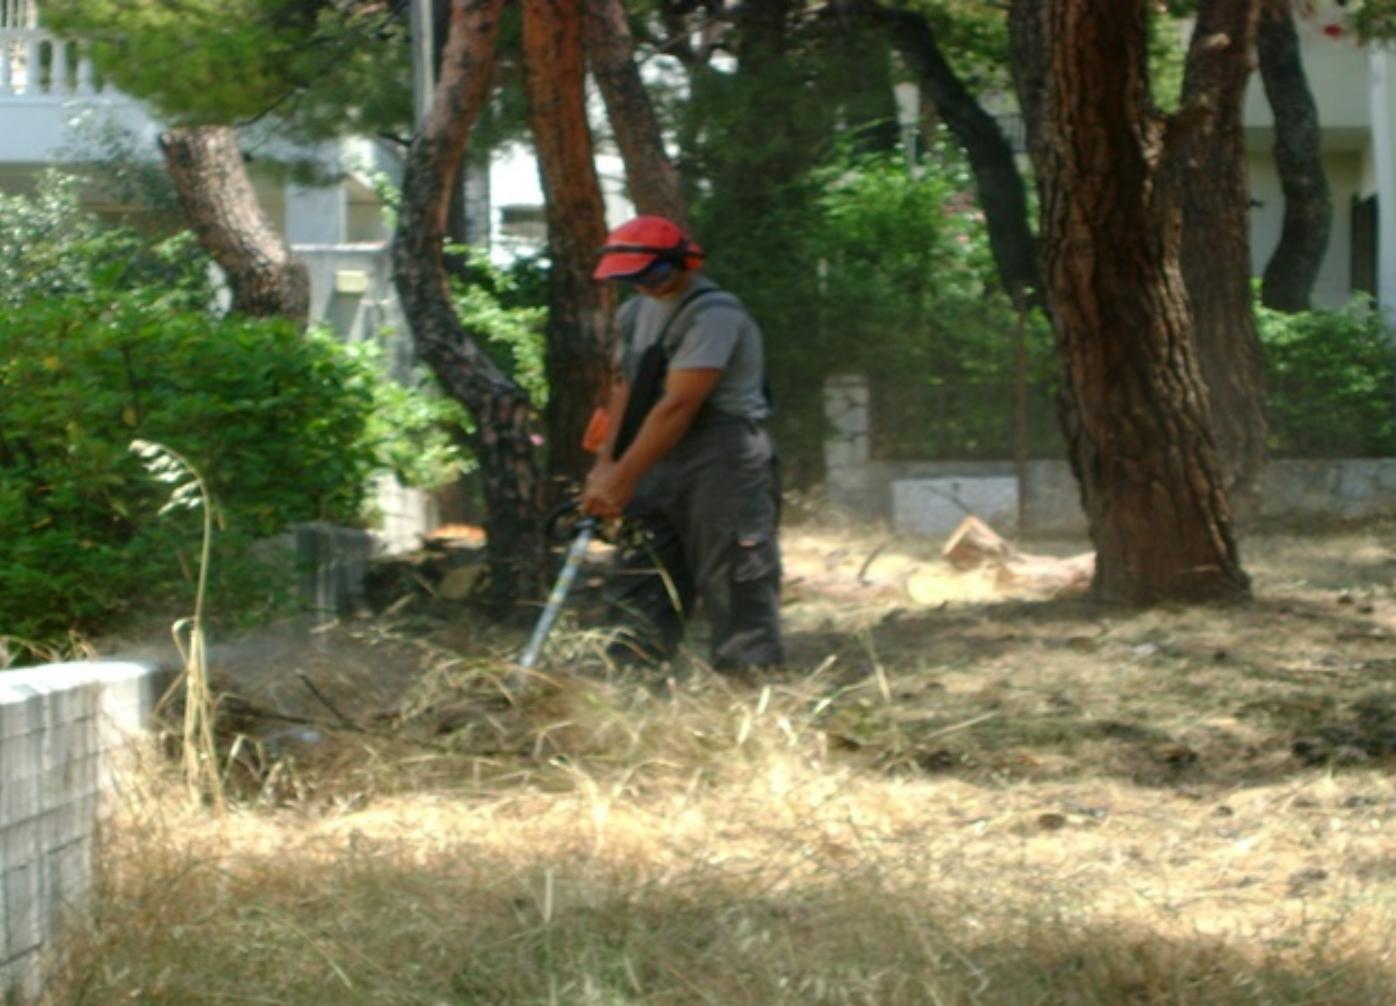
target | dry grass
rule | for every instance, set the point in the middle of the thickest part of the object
(995, 801)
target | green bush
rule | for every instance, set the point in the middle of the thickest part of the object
(509, 308)
(106, 336)
(276, 421)
(50, 248)
(1331, 382)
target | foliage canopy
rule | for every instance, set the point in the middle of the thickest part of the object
(325, 67)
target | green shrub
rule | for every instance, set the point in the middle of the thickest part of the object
(276, 421)
(106, 336)
(411, 423)
(508, 307)
(1331, 382)
(50, 247)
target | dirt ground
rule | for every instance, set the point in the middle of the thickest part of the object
(1184, 772)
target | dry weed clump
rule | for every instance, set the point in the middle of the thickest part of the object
(783, 878)
(975, 803)
(795, 888)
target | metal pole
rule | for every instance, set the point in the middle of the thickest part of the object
(1020, 406)
(586, 529)
(423, 59)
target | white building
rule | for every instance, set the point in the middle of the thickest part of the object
(51, 106)
(1355, 90)
(50, 100)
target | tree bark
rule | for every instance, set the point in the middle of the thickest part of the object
(1028, 58)
(650, 177)
(1150, 482)
(1216, 255)
(1028, 55)
(579, 308)
(1001, 192)
(217, 198)
(503, 415)
(1288, 283)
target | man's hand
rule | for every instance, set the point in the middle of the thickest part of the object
(607, 492)
(611, 484)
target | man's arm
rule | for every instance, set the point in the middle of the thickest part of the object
(611, 483)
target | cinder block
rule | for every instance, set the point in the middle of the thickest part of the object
(68, 869)
(83, 740)
(333, 561)
(20, 797)
(20, 842)
(20, 889)
(63, 824)
(58, 769)
(21, 752)
(21, 709)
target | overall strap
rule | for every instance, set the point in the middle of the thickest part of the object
(652, 371)
(690, 298)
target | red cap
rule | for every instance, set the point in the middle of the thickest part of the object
(635, 245)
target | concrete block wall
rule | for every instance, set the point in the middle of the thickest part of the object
(65, 730)
(931, 497)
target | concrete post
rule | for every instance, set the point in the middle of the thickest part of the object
(1384, 164)
(477, 203)
(847, 444)
(423, 59)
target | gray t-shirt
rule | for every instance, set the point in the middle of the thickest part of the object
(714, 330)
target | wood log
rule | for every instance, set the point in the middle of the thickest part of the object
(974, 544)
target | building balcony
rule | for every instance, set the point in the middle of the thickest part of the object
(46, 85)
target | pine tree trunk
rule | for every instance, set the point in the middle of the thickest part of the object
(1216, 244)
(1288, 283)
(503, 415)
(652, 182)
(1150, 482)
(216, 195)
(1001, 191)
(579, 308)
(1028, 56)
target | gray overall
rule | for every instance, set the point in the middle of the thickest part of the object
(703, 527)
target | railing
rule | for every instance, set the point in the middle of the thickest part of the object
(18, 14)
(36, 64)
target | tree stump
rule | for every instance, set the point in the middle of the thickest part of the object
(975, 543)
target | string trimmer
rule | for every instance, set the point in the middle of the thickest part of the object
(582, 534)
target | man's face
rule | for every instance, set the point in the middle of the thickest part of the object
(661, 281)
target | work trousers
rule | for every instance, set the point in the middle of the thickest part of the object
(702, 528)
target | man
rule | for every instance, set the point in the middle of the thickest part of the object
(686, 458)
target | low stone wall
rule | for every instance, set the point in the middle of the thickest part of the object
(1342, 489)
(932, 497)
(63, 731)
